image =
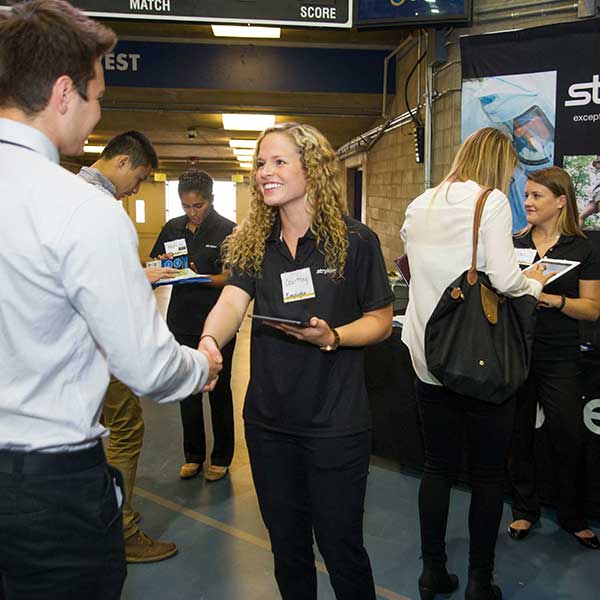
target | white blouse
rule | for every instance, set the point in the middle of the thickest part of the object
(437, 235)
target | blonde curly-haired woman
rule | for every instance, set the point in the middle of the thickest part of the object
(306, 412)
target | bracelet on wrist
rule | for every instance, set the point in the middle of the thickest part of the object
(563, 301)
(212, 337)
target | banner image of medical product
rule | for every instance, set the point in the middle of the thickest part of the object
(542, 87)
(523, 106)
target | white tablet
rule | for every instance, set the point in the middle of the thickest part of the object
(558, 266)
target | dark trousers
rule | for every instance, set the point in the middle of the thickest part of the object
(452, 422)
(221, 410)
(60, 534)
(305, 484)
(555, 385)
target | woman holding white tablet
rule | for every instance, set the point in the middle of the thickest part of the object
(553, 232)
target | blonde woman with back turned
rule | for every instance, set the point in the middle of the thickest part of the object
(437, 235)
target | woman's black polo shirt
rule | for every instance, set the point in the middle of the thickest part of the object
(556, 334)
(190, 304)
(294, 387)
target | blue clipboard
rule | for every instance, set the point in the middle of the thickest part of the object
(181, 281)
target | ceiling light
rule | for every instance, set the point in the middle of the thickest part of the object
(247, 152)
(242, 143)
(246, 165)
(246, 31)
(247, 122)
(91, 149)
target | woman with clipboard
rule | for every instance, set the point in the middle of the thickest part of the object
(199, 233)
(553, 232)
(306, 412)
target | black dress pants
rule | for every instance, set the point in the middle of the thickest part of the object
(221, 410)
(305, 484)
(555, 385)
(61, 534)
(451, 423)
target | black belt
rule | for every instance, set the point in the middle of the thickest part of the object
(51, 463)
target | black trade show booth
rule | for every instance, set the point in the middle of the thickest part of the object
(397, 427)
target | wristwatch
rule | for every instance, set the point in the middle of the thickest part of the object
(335, 345)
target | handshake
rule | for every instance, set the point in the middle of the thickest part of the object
(209, 347)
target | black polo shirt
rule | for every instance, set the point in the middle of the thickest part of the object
(556, 334)
(191, 303)
(295, 387)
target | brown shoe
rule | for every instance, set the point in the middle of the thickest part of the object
(141, 548)
(189, 470)
(215, 472)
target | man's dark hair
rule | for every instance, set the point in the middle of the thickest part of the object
(42, 40)
(135, 145)
(195, 180)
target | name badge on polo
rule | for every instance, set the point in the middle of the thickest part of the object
(297, 285)
(176, 247)
(525, 256)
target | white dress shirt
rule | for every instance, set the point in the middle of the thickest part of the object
(438, 239)
(75, 304)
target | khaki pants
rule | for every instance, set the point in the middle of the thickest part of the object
(122, 415)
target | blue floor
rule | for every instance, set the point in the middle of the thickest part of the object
(224, 551)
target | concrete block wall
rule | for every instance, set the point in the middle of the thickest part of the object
(393, 178)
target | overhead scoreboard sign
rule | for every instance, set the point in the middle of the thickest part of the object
(304, 13)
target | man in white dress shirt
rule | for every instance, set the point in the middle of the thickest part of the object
(74, 305)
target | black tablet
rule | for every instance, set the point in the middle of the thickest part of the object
(280, 320)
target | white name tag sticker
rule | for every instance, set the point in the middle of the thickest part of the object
(525, 256)
(176, 247)
(297, 285)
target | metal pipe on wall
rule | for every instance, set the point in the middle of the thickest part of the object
(507, 6)
(428, 124)
(526, 13)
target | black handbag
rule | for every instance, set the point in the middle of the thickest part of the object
(477, 342)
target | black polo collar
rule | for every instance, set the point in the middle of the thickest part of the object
(275, 235)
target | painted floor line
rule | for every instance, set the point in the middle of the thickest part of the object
(238, 533)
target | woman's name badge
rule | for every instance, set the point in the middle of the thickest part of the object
(297, 285)
(525, 256)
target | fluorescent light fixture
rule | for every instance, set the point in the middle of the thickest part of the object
(435, 10)
(243, 152)
(242, 143)
(246, 31)
(237, 122)
(246, 165)
(91, 149)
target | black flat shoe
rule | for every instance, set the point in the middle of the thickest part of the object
(593, 543)
(430, 586)
(519, 534)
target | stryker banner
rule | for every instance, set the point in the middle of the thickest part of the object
(542, 87)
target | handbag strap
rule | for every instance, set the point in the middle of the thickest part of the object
(472, 273)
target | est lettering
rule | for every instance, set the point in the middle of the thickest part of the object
(121, 61)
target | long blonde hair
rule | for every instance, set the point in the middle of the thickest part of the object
(487, 157)
(559, 182)
(244, 249)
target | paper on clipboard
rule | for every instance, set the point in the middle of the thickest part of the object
(185, 276)
(558, 266)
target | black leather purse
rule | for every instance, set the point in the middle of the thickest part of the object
(477, 342)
